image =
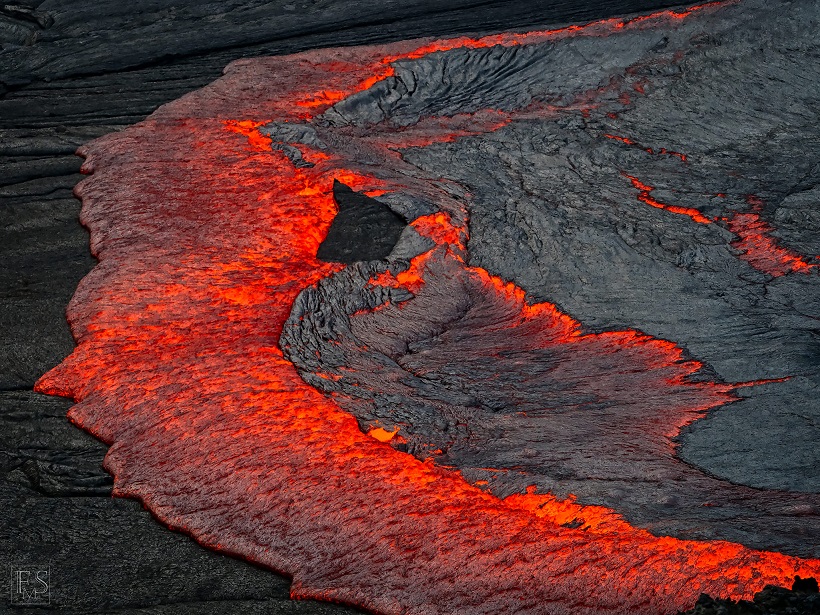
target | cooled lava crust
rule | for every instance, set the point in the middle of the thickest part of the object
(612, 230)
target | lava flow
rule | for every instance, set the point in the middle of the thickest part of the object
(205, 238)
(757, 246)
(645, 196)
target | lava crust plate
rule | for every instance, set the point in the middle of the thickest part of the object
(581, 378)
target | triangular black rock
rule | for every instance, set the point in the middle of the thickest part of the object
(363, 230)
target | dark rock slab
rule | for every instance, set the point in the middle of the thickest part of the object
(363, 230)
(44, 454)
(44, 256)
(802, 598)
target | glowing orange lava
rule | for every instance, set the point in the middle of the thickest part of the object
(645, 197)
(757, 246)
(382, 435)
(439, 227)
(205, 238)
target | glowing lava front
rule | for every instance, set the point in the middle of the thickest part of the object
(759, 248)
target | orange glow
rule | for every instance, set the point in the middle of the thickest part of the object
(381, 74)
(595, 28)
(439, 227)
(663, 150)
(178, 366)
(411, 278)
(648, 150)
(382, 435)
(754, 383)
(757, 246)
(361, 183)
(645, 197)
(323, 99)
(249, 128)
(626, 140)
(311, 155)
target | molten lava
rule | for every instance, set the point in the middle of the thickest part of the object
(757, 246)
(205, 238)
(645, 196)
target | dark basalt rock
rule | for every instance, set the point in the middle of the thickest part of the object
(363, 230)
(802, 599)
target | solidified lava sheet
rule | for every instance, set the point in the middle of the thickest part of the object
(601, 279)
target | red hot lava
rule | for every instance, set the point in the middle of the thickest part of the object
(205, 237)
(759, 248)
(645, 197)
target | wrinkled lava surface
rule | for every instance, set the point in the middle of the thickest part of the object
(612, 232)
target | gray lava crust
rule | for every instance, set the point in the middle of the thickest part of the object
(657, 180)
